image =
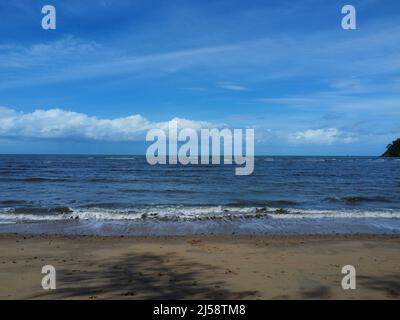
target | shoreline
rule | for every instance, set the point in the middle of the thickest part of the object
(309, 236)
(200, 266)
(243, 227)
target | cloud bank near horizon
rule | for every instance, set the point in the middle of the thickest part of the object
(62, 124)
(57, 123)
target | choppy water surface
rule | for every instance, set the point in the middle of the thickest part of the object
(123, 194)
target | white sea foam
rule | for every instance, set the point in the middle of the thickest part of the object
(315, 214)
(179, 213)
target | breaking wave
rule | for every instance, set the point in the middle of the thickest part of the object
(183, 213)
(353, 200)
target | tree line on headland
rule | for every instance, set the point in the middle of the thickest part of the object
(393, 149)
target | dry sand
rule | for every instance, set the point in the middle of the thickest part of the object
(205, 267)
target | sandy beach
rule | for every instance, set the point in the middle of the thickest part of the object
(200, 267)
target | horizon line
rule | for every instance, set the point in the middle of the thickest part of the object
(144, 155)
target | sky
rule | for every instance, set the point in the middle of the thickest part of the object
(112, 70)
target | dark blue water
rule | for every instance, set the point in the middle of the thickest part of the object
(300, 194)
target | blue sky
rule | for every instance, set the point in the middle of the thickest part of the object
(113, 69)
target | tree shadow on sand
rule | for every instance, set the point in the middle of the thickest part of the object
(388, 284)
(321, 292)
(142, 276)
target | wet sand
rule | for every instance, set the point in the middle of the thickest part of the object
(200, 267)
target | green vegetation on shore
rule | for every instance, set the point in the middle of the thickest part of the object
(393, 149)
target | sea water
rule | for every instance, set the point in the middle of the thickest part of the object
(115, 195)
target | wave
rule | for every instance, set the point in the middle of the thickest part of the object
(38, 210)
(317, 214)
(9, 202)
(260, 203)
(33, 180)
(161, 213)
(105, 180)
(353, 200)
(166, 191)
(120, 158)
(185, 213)
(313, 160)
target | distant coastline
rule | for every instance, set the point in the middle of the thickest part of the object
(393, 149)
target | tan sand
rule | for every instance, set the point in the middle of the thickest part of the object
(207, 267)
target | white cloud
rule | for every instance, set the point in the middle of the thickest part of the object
(326, 136)
(371, 53)
(58, 124)
(288, 101)
(72, 58)
(68, 49)
(232, 86)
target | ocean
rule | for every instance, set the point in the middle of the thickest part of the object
(124, 195)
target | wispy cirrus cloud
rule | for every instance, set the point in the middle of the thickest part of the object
(70, 58)
(66, 49)
(232, 86)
